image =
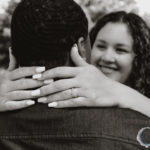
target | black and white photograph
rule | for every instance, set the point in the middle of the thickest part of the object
(74, 74)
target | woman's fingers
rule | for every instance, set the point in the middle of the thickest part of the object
(22, 94)
(57, 86)
(75, 102)
(60, 72)
(14, 105)
(76, 58)
(64, 95)
(24, 84)
(24, 72)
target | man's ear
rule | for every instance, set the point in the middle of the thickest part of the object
(84, 48)
(81, 48)
(12, 61)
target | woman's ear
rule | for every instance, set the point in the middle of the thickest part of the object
(12, 61)
(81, 48)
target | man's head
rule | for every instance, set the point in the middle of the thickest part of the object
(43, 32)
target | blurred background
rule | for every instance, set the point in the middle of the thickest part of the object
(94, 9)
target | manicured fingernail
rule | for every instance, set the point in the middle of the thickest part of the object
(42, 100)
(75, 48)
(74, 45)
(37, 76)
(30, 102)
(53, 104)
(35, 92)
(48, 81)
(40, 69)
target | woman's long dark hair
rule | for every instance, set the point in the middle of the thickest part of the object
(140, 32)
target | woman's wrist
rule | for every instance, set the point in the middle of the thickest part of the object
(132, 99)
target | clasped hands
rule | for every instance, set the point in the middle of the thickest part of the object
(81, 86)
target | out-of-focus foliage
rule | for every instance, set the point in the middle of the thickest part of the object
(5, 19)
(97, 8)
(4, 40)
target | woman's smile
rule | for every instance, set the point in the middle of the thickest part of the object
(107, 69)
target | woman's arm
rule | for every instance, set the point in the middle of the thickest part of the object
(86, 86)
(132, 99)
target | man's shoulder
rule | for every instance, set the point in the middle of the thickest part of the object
(109, 125)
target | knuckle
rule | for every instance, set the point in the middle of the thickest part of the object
(16, 72)
(57, 87)
(77, 81)
(74, 92)
(25, 71)
(80, 101)
(9, 97)
(66, 93)
(28, 70)
(7, 75)
(56, 71)
(4, 87)
(23, 104)
(82, 70)
(50, 98)
(73, 102)
(44, 90)
(2, 101)
(59, 104)
(3, 74)
(22, 82)
(6, 107)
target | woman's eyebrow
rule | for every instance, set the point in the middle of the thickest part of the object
(123, 45)
(102, 41)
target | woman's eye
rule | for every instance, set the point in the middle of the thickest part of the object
(101, 46)
(121, 50)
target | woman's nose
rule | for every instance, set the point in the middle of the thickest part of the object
(108, 55)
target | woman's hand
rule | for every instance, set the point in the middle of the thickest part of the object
(86, 86)
(13, 87)
(79, 86)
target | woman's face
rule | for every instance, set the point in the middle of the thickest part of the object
(112, 51)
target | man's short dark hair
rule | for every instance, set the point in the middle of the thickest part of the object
(43, 31)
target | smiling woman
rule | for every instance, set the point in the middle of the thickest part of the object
(112, 51)
(120, 49)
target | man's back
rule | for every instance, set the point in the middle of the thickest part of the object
(39, 127)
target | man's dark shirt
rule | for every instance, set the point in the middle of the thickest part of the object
(42, 128)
